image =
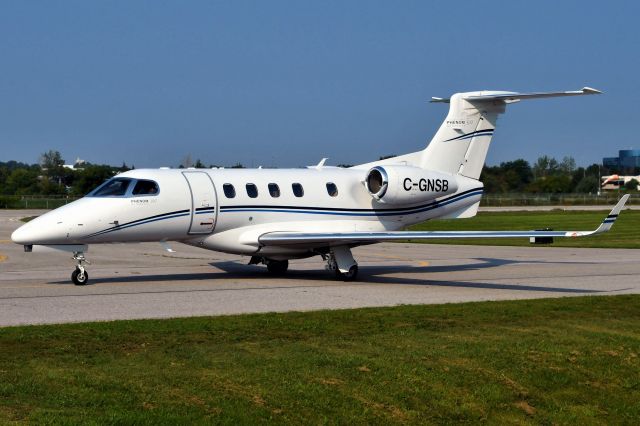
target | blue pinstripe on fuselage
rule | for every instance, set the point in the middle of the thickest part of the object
(307, 210)
(353, 212)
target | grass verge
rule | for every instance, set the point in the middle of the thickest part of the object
(624, 234)
(571, 360)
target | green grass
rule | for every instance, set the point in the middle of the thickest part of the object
(624, 234)
(562, 361)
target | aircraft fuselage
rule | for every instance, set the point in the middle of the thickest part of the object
(195, 206)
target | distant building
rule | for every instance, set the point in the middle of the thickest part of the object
(617, 181)
(626, 159)
(77, 165)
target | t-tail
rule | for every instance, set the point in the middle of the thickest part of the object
(459, 147)
(461, 144)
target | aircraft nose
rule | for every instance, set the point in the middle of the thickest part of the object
(63, 225)
(22, 235)
(41, 230)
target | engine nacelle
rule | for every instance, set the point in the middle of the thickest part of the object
(408, 184)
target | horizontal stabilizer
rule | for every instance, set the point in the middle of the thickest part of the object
(510, 97)
(342, 238)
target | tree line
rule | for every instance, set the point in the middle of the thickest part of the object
(546, 175)
(50, 177)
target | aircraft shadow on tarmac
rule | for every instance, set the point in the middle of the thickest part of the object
(375, 274)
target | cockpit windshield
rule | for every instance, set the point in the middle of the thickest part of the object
(116, 187)
(126, 187)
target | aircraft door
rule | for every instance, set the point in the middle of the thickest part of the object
(203, 202)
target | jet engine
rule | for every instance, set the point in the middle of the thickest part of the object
(408, 184)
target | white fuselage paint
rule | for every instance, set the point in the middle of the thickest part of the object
(191, 207)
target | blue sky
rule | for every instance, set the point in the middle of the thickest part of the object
(285, 83)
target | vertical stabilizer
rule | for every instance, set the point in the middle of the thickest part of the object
(460, 146)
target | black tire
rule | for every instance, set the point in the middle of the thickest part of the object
(79, 279)
(349, 276)
(278, 267)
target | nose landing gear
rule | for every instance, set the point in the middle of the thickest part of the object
(80, 276)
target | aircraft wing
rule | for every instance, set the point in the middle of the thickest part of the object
(340, 238)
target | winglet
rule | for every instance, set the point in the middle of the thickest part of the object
(591, 91)
(608, 221)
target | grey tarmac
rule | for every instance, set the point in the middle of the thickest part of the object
(131, 281)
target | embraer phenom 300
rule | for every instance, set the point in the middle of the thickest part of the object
(274, 215)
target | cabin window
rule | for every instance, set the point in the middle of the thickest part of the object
(229, 190)
(116, 187)
(297, 190)
(145, 187)
(252, 190)
(332, 189)
(274, 190)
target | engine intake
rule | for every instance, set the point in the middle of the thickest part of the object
(377, 182)
(408, 184)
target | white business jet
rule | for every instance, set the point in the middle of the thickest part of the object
(274, 215)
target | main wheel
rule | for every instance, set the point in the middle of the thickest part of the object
(80, 278)
(278, 267)
(351, 275)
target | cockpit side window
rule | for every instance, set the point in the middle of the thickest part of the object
(145, 187)
(116, 187)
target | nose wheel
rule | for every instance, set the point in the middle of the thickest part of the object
(80, 276)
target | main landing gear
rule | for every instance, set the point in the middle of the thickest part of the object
(339, 260)
(275, 267)
(80, 276)
(342, 262)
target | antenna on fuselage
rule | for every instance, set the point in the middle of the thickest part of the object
(321, 163)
